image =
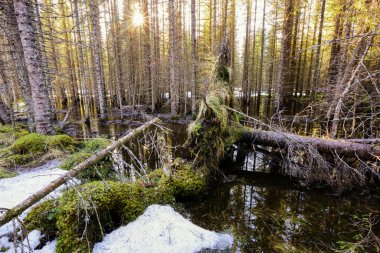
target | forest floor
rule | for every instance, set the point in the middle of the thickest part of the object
(159, 228)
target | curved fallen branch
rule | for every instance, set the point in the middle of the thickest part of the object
(19, 208)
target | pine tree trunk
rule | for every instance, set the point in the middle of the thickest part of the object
(284, 68)
(82, 70)
(318, 53)
(247, 55)
(4, 110)
(172, 63)
(99, 75)
(260, 85)
(11, 31)
(193, 58)
(32, 55)
(4, 113)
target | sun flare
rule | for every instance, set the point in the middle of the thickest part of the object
(138, 17)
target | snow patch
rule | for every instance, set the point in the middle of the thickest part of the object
(48, 248)
(29, 243)
(161, 229)
(16, 189)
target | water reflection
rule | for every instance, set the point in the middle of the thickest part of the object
(266, 213)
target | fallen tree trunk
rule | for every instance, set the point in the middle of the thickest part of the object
(19, 208)
(282, 140)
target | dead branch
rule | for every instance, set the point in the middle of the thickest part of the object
(19, 208)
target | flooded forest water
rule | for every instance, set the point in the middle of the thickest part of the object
(264, 212)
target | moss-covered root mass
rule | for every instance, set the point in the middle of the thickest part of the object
(215, 127)
(83, 214)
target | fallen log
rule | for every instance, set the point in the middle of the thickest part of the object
(19, 208)
(282, 140)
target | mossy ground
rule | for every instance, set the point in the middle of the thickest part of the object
(18, 147)
(82, 215)
(99, 171)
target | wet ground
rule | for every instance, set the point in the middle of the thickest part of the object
(264, 212)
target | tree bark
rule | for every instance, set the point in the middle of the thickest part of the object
(193, 58)
(317, 55)
(347, 81)
(32, 56)
(172, 63)
(99, 75)
(19, 208)
(11, 31)
(330, 146)
(282, 87)
(4, 113)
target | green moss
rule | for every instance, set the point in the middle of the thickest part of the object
(99, 171)
(19, 159)
(8, 134)
(96, 144)
(6, 129)
(43, 217)
(3, 249)
(32, 143)
(106, 205)
(184, 181)
(5, 173)
(62, 142)
(194, 129)
(101, 202)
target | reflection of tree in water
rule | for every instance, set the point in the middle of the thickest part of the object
(267, 216)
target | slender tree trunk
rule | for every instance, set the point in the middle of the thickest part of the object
(348, 79)
(68, 52)
(116, 51)
(332, 74)
(193, 58)
(258, 104)
(99, 74)
(318, 53)
(282, 82)
(82, 72)
(246, 65)
(32, 55)
(232, 45)
(310, 73)
(172, 62)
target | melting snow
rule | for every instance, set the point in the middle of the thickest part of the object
(16, 189)
(161, 229)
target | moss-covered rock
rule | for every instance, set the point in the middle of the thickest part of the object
(184, 180)
(61, 141)
(32, 143)
(84, 214)
(98, 207)
(26, 149)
